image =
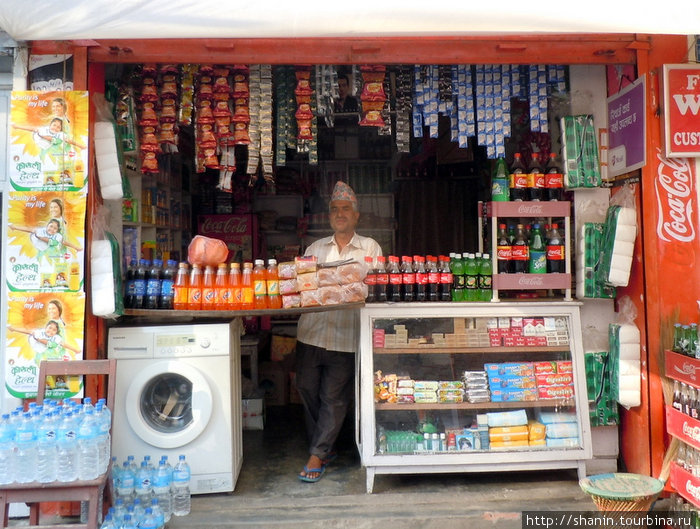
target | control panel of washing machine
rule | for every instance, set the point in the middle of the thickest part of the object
(184, 345)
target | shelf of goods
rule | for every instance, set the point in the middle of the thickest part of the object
(503, 383)
(530, 210)
(156, 219)
(682, 426)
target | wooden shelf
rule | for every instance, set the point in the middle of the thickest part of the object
(428, 349)
(549, 403)
(229, 314)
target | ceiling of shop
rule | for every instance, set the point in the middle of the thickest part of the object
(136, 19)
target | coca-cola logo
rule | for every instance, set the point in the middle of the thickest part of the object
(692, 432)
(674, 196)
(530, 210)
(693, 490)
(687, 369)
(532, 281)
(234, 225)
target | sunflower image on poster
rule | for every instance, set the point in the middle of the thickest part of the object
(43, 326)
(45, 234)
(48, 140)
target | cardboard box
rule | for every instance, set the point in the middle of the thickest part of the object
(274, 381)
(253, 414)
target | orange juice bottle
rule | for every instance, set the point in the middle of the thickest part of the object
(274, 300)
(208, 289)
(180, 286)
(234, 287)
(221, 285)
(194, 291)
(247, 294)
(260, 284)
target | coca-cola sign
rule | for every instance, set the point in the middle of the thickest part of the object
(675, 199)
(531, 209)
(224, 224)
(687, 369)
(692, 489)
(682, 109)
(691, 432)
(531, 281)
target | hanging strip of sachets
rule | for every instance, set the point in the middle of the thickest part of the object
(403, 108)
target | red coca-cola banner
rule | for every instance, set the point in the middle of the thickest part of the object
(239, 232)
(678, 272)
(682, 368)
(683, 427)
(682, 109)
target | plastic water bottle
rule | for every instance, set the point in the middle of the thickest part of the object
(67, 444)
(125, 483)
(88, 453)
(25, 440)
(132, 464)
(106, 410)
(108, 523)
(138, 510)
(158, 513)
(119, 512)
(46, 449)
(7, 450)
(114, 477)
(149, 464)
(149, 521)
(181, 488)
(103, 438)
(128, 523)
(143, 485)
(161, 487)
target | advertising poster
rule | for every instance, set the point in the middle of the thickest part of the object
(682, 109)
(48, 140)
(43, 326)
(45, 241)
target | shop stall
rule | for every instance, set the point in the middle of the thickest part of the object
(589, 60)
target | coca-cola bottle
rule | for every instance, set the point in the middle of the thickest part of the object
(408, 280)
(555, 251)
(518, 179)
(553, 178)
(380, 289)
(433, 278)
(520, 251)
(503, 250)
(445, 278)
(535, 178)
(394, 293)
(421, 278)
(370, 279)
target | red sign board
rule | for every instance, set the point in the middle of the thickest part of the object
(683, 427)
(239, 232)
(682, 109)
(685, 484)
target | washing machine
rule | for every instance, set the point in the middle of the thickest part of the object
(178, 391)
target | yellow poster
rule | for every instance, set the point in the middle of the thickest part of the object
(43, 326)
(45, 241)
(48, 140)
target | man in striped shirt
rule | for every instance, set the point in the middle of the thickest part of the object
(327, 341)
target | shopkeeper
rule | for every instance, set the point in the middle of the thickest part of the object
(326, 341)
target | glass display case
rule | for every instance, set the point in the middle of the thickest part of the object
(460, 387)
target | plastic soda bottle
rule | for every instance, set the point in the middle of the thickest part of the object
(180, 287)
(370, 279)
(274, 300)
(538, 252)
(433, 278)
(194, 290)
(518, 179)
(555, 251)
(485, 277)
(421, 278)
(458, 278)
(471, 278)
(553, 178)
(153, 284)
(408, 279)
(260, 284)
(503, 249)
(130, 285)
(445, 278)
(234, 287)
(520, 251)
(382, 285)
(221, 286)
(140, 284)
(395, 279)
(499, 182)
(165, 299)
(247, 292)
(209, 291)
(535, 178)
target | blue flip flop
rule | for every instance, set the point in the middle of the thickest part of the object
(332, 456)
(307, 479)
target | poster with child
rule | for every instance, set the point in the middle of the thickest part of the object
(43, 326)
(45, 241)
(48, 140)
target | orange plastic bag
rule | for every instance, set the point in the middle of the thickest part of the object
(206, 251)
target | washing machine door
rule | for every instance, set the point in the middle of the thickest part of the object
(169, 403)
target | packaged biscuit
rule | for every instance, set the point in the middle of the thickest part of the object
(507, 418)
(330, 295)
(290, 301)
(500, 430)
(554, 379)
(450, 384)
(536, 430)
(509, 444)
(510, 368)
(307, 281)
(287, 270)
(306, 263)
(538, 442)
(288, 286)
(542, 368)
(512, 381)
(354, 292)
(327, 276)
(351, 273)
(309, 298)
(423, 385)
(555, 392)
(507, 437)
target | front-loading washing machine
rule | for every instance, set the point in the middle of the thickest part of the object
(178, 391)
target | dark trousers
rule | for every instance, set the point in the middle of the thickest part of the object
(325, 381)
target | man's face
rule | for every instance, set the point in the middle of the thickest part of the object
(343, 217)
(343, 88)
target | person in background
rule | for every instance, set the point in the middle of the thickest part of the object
(346, 102)
(327, 341)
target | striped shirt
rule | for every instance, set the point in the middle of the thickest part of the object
(336, 330)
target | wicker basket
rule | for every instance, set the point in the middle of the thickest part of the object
(620, 493)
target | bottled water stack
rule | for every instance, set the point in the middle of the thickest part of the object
(67, 444)
(25, 458)
(181, 488)
(47, 451)
(7, 450)
(162, 485)
(88, 451)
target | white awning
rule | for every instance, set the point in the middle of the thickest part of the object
(26, 20)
